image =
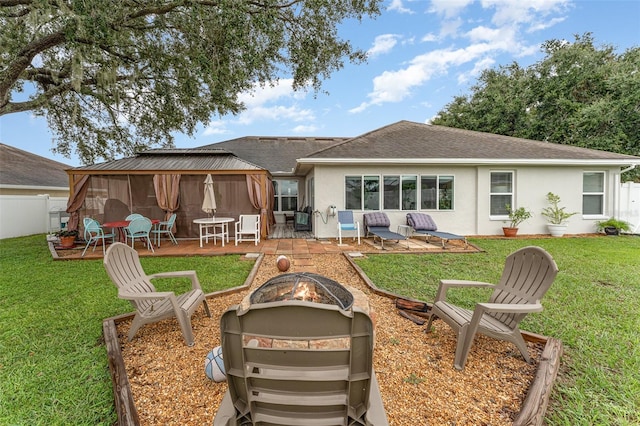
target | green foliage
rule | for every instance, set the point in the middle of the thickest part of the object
(612, 222)
(53, 363)
(591, 307)
(67, 233)
(556, 214)
(517, 216)
(114, 77)
(413, 379)
(579, 94)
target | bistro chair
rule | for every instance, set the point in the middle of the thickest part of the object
(93, 233)
(140, 229)
(165, 228)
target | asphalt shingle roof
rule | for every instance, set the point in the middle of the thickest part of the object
(276, 154)
(410, 140)
(22, 168)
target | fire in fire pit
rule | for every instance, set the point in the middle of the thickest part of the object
(303, 286)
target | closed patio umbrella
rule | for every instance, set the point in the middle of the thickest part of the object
(209, 202)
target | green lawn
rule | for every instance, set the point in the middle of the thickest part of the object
(53, 366)
(53, 363)
(593, 307)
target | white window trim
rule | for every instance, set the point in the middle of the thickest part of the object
(502, 218)
(602, 215)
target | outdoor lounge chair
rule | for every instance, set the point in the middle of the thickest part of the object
(377, 224)
(423, 224)
(298, 363)
(123, 267)
(346, 223)
(527, 275)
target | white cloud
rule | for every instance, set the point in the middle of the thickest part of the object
(305, 129)
(383, 44)
(509, 19)
(394, 86)
(478, 67)
(429, 37)
(509, 12)
(399, 7)
(449, 8)
(215, 128)
(273, 102)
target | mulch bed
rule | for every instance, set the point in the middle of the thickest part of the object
(418, 382)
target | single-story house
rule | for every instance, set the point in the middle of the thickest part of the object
(25, 173)
(463, 179)
(33, 193)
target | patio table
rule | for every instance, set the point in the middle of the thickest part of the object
(208, 227)
(119, 225)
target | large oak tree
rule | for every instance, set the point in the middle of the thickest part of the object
(578, 94)
(112, 77)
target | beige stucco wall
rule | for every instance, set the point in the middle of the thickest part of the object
(470, 215)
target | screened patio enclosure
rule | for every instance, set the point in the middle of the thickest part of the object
(157, 183)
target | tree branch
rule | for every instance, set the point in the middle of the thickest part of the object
(22, 61)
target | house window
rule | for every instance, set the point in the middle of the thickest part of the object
(593, 193)
(285, 195)
(436, 192)
(362, 192)
(409, 192)
(501, 192)
(391, 192)
(400, 191)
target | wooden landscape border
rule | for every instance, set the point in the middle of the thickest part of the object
(531, 412)
(535, 403)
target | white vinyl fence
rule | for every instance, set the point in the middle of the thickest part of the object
(629, 208)
(31, 214)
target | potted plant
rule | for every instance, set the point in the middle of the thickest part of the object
(613, 226)
(516, 217)
(67, 237)
(556, 215)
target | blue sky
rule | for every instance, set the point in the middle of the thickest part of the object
(422, 54)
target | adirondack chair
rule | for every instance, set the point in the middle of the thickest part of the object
(298, 363)
(528, 273)
(123, 267)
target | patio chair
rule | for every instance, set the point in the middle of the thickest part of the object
(298, 363)
(86, 222)
(248, 228)
(346, 223)
(302, 219)
(139, 229)
(93, 233)
(133, 216)
(527, 275)
(377, 224)
(123, 267)
(423, 224)
(165, 228)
